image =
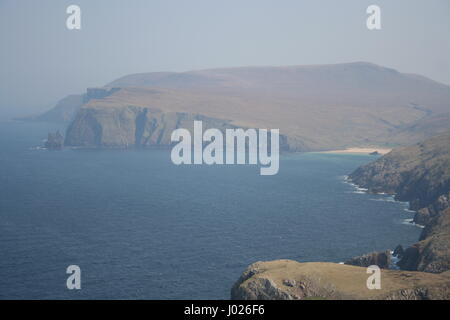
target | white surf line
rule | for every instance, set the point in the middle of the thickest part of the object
(387, 198)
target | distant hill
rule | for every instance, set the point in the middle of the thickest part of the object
(64, 111)
(316, 107)
(66, 108)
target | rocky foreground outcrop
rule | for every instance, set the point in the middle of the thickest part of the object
(291, 280)
(419, 174)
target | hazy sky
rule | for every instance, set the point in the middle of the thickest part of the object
(41, 60)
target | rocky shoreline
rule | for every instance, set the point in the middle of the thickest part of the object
(419, 174)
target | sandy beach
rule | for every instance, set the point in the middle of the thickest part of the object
(365, 150)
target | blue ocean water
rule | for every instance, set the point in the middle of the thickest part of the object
(140, 227)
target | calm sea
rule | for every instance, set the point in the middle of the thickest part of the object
(140, 227)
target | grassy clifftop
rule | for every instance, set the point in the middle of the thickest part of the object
(291, 280)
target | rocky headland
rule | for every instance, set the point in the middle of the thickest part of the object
(291, 280)
(316, 108)
(419, 174)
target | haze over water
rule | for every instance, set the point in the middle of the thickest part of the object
(140, 227)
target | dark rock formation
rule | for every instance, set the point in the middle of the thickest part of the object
(381, 259)
(425, 216)
(434, 247)
(55, 141)
(410, 258)
(375, 153)
(432, 254)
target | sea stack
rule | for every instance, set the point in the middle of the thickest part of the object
(55, 141)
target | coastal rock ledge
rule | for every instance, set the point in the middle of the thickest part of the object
(381, 259)
(291, 280)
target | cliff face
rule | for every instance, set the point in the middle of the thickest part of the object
(147, 117)
(419, 174)
(132, 126)
(432, 253)
(291, 280)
